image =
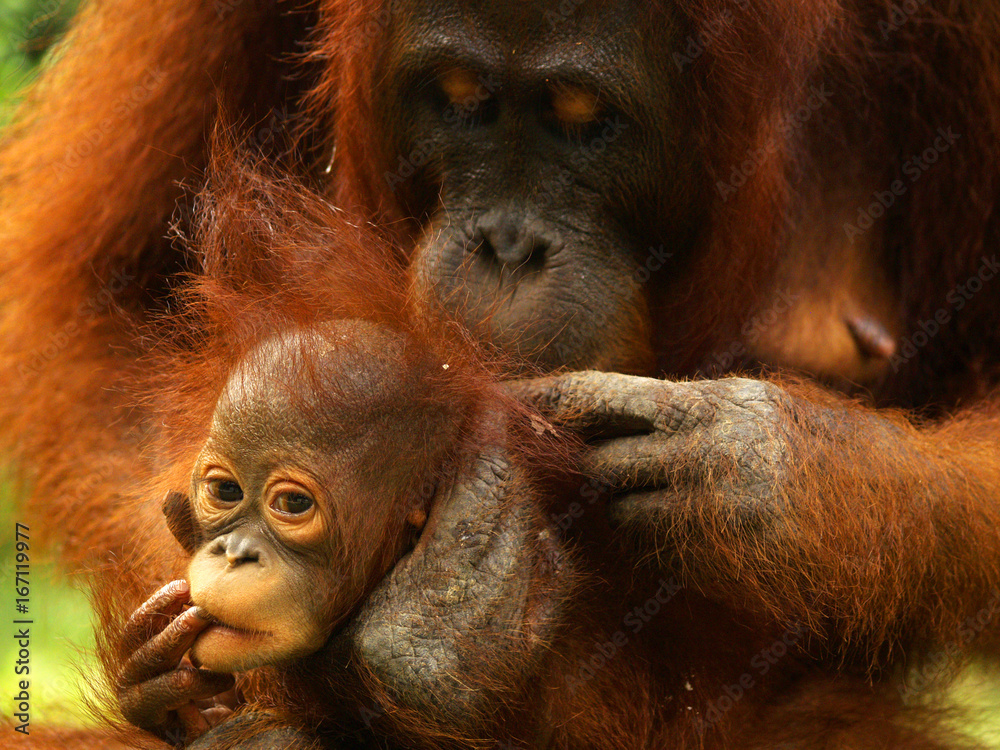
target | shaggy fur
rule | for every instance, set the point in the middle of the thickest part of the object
(93, 175)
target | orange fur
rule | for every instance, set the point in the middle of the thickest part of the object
(661, 680)
(90, 188)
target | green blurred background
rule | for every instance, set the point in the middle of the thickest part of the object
(61, 636)
(28, 28)
(61, 660)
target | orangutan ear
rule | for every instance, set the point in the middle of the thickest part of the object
(181, 522)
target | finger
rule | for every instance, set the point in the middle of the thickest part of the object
(640, 461)
(597, 403)
(192, 721)
(476, 580)
(147, 704)
(157, 611)
(163, 652)
(644, 510)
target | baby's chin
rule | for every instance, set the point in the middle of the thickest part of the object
(221, 648)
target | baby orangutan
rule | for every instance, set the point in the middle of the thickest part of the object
(323, 453)
(363, 480)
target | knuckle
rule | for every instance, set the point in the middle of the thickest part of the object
(740, 408)
(744, 438)
(182, 680)
(127, 701)
(685, 417)
(577, 386)
(757, 396)
(177, 630)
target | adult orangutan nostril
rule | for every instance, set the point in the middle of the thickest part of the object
(509, 239)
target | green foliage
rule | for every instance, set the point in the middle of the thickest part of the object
(28, 28)
(61, 661)
(977, 693)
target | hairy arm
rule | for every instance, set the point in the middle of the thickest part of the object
(863, 526)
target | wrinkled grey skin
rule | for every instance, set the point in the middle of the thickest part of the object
(461, 605)
(469, 579)
(654, 439)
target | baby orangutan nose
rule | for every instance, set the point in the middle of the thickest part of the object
(238, 549)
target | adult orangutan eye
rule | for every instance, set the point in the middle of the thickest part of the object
(573, 113)
(292, 503)
(225, 490)
(575, 106)
(467, 98)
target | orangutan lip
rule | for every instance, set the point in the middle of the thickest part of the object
(216, 624)
(204, 614)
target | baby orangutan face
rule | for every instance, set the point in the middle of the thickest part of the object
(304, 495)
(271, 573)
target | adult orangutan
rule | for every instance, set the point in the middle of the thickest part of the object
(672, 189)
(353, 464)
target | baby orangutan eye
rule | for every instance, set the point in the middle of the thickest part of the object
(225, 490)
(292, 503)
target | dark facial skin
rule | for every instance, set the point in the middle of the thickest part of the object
(537, 156)
(537, 146)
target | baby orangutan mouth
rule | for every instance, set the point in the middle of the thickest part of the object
(222, 641)
(220, 625)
